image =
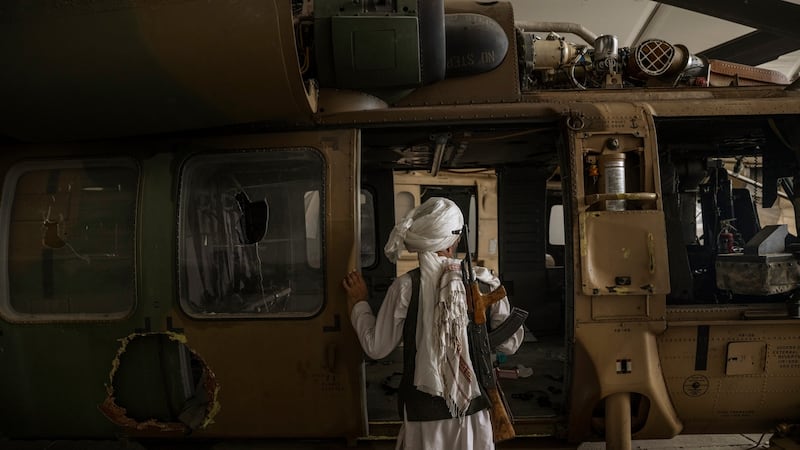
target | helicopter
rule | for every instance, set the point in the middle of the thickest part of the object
(185, 184)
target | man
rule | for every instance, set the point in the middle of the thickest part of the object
(442, 406)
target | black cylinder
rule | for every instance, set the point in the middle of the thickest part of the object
(475, 44)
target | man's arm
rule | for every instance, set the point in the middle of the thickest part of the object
(378, 336)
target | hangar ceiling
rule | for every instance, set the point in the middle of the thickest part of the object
(763, 33)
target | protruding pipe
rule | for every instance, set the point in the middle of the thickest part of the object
(618, 421)
(560, 27)
(438, 152)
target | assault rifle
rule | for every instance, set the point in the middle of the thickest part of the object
(480, 347)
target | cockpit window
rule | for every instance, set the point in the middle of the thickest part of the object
(251, 234)
(67, 250)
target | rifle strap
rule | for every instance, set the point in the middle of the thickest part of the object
(420, 406)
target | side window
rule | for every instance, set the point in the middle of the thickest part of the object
(471, 217)
(403, 203)
(555, 237)
(369, 237)
(556, 226)
(67, 249)
(313, 230)
(251, 234)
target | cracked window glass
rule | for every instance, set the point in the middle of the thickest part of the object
(251, 234)
(69, 230)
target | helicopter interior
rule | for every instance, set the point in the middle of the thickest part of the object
(702, 165)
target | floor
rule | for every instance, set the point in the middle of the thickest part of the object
(697, 442)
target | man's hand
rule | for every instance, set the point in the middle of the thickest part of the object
(356, 289)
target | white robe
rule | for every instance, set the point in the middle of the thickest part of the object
(379, 336)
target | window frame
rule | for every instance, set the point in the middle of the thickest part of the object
(12, 177)
(371, 198)
(183, 303)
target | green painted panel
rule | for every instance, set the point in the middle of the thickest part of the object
(376, 51)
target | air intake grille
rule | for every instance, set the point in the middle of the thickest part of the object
(654, 56)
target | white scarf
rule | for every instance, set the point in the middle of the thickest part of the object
(459, 383)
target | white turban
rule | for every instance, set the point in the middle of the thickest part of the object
(432, 226)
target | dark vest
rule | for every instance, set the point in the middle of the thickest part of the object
(420, 406)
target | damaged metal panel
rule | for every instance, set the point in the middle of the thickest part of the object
(198, 410)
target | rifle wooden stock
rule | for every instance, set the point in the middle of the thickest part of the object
(483, 301)
(502, 429)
